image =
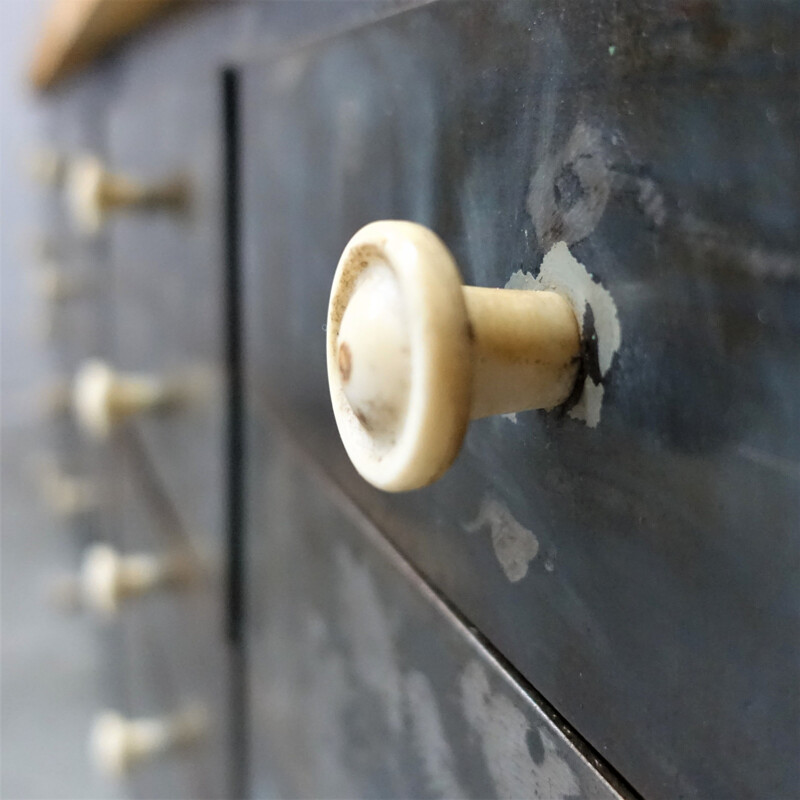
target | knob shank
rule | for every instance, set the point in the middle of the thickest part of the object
(526, 348)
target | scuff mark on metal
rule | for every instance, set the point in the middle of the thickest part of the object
(504, 733)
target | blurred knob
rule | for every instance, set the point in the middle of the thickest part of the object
(413, 354)
(116, 744)
(107, 578)
(93, 192)
(102, 397)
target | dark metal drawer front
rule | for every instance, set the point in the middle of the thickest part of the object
(659, 614)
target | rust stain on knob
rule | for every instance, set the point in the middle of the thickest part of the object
(345, 362)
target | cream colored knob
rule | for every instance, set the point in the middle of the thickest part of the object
(93, 192)
(117, 744)
(101, 398)
(413, 354)
(107, 578)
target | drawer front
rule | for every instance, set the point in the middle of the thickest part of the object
(651, 616)
(362, 681)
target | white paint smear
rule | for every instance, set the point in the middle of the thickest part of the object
(503, 732)
(561, 272)
(514, 545)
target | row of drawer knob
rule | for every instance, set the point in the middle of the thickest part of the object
(100, 398)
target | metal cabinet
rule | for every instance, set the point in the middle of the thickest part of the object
(639, 574)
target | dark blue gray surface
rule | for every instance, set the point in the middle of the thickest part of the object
(660, 616)
(362, 682)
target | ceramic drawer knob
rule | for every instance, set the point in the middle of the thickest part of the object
(101, 397)
(107, 578)
(93, 192)
(117, 744)
(413, 354)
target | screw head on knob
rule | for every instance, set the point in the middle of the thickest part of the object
(413, 354)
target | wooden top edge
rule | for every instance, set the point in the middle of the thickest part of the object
(75, 32)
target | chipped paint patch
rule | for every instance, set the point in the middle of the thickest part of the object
(514, 545)
(561, 272)
(570, 189)
(504, 734)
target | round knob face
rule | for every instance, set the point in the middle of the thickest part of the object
(91, 398)
(109, 744)
(84, 191)
(399, 355)
(100, 579)
(374, 352)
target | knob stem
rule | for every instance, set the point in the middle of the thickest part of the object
(117, 191)
(526, 350)
(131, 394)
(141, 572)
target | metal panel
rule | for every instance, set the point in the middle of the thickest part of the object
(660, 614)
(363, 683)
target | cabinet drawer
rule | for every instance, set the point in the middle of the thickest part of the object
(615, 566)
